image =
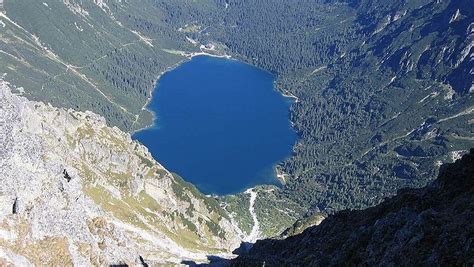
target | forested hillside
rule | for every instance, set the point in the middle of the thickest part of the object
(103, 56)
(384, 90)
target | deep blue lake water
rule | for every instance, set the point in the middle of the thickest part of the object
(219, 124)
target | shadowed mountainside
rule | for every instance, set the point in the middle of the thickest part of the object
(430, 225)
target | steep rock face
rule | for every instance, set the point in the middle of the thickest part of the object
(430, 225)
(74, 191)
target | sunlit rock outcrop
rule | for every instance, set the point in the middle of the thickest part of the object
(75, 191)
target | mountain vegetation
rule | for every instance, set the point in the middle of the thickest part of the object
(384, 89)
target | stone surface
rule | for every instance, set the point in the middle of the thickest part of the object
(75, 191)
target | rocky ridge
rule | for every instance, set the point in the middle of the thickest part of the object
(75, 191)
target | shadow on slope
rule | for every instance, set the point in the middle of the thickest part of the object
(219, 261)
(430, 225)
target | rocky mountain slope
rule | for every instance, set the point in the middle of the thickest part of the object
(427, 226)
(75, 191)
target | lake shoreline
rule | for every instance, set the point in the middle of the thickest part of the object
(188, 56)
(277, 144)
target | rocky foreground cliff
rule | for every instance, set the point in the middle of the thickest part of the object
(427, 226)
(75, 191)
